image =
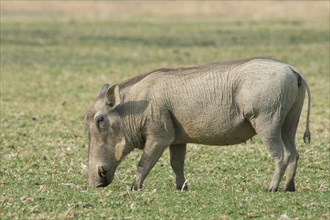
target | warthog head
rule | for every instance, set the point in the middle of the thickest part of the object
(106, 137)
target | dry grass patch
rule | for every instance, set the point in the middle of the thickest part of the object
(195, 10)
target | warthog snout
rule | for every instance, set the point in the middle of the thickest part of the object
(102, 173)
(102, 177)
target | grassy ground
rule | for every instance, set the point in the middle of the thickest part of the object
(51, 70)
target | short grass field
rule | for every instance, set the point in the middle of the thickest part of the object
(51, 70)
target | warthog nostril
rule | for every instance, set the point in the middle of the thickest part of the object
(101, 171)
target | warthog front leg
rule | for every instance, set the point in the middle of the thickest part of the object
(177, 155)
(151, 154)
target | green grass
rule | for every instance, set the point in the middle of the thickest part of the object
(51, 70)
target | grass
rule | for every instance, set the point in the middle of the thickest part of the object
(51, 70)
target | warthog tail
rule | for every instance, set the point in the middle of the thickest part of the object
(307, 134)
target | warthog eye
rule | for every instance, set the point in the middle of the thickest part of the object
(100, 122)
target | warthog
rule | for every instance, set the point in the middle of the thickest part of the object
(215, 104)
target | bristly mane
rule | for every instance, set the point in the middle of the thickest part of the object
(130, 82)
(134, 80)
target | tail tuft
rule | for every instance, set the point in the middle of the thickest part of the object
(307, 137)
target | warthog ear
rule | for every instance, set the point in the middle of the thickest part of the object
(103, 89)
(113, 96)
